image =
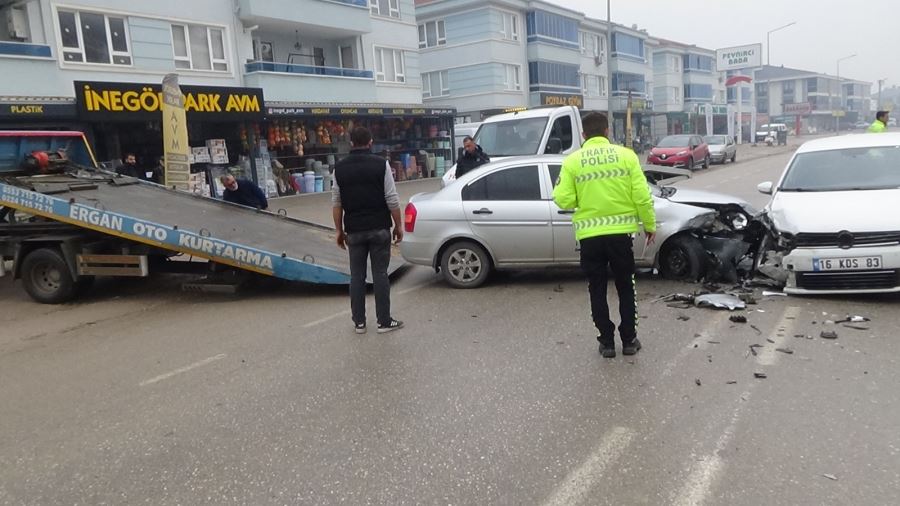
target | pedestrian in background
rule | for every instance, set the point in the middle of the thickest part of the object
(472, 158)
(880, 124)
(605, 185)
(243, 192)
(365, 202)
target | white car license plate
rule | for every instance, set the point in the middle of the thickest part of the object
(847, 264)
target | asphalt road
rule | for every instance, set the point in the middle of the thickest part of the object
(144, 394)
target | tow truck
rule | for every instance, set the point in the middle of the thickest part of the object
(65, 221)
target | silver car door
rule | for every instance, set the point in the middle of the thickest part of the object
(506, 210)
(565, 247)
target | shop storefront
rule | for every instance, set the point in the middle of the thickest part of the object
(304, 138)
(126, 118)
(39, 113)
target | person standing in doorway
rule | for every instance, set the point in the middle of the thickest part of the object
(880, 124)
(129, 167)
(605, 185)
(365, 203)
(472, 158)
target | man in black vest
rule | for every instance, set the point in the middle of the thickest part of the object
(365, 202)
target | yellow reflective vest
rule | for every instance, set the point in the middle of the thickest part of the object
(877, 127)
(605, 185)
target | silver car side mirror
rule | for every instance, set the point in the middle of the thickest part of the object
(765, 188)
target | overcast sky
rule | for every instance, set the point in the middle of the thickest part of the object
(825, 31)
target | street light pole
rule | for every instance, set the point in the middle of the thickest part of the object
(840, 94)
(768, 81)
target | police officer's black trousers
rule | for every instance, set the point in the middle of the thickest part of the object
(613, 252)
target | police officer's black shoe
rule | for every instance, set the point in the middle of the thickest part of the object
(608, 351)
(631, 348)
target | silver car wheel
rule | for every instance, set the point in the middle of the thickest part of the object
(464, 265)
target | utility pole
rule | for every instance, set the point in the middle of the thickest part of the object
(880, 86)
(840, 94)
(609, 112)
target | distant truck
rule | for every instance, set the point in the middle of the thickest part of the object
(545, 130)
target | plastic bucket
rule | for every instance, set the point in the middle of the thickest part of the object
(309, 181)
(320, 184)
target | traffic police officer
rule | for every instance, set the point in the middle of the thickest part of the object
(880, 124)
(605, 185)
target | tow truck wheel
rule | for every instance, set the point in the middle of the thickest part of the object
(46, 277)
(465, 265)
(682, 258)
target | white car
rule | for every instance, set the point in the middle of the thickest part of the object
(834, 217)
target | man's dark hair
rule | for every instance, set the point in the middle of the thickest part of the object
(880, 115)
(468, 138)
(595, 124)
(129, 154)
(360, 137)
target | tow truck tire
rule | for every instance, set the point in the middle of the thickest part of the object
(46, 277)
(465, 264)
(682, 258)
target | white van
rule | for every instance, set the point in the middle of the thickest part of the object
(777, 130)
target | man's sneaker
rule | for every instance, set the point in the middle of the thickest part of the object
(608, 351)
(631, 348)
(390, 327)
(360, 328)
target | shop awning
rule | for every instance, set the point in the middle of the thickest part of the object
(20, 108)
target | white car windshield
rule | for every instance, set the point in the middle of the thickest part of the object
(871, 168)
(714, 140)
(517, 137)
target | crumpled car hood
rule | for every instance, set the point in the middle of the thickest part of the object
(829, 212)
(700, 197)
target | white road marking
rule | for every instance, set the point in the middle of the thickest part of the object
(347, 311)
(578, 484)
(706, 471)
(183, 369)
(700, 343)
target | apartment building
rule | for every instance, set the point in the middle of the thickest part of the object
(686, 83)
(783, 94)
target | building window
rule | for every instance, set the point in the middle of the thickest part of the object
(593, 86)
(558, 75)
(389, 65)
(812, 85)
(787, 90)
(432, 34)
(385, 8)
(510, 29)
(697, 63)
(87, 37)
(676, 64)
(623, 82)
(698, 92)
(435, 84)
(542, 24)
(628, 45)
(591, 44)
(198, 47)
(512, 80)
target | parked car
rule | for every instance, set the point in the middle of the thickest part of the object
(502, 215)
(860, 125)
(722, 148)
(833, 217)
(680, 151)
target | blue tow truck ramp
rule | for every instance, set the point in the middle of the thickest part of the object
(134, 211)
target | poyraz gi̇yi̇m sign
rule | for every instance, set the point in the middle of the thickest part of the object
(105, 101)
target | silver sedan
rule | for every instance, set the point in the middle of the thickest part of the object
(722, 148)
(502, 216)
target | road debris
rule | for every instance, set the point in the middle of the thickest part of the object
(720, 301)
(753, 348)
(559, 289)
(828, 334)
(767, 293)
(713, 342)
(830, 477)
(683, 318)
(786, 351)
(856, 326)
(754, 327)
(732, 382)
(697, 381)
(770, 341)
(738, 318)
(760, 375)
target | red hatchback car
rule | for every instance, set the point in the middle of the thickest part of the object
(680, 151)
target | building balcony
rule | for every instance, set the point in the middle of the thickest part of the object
(337, 17)
(290, 68)
(286, 82)
(24, 50)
